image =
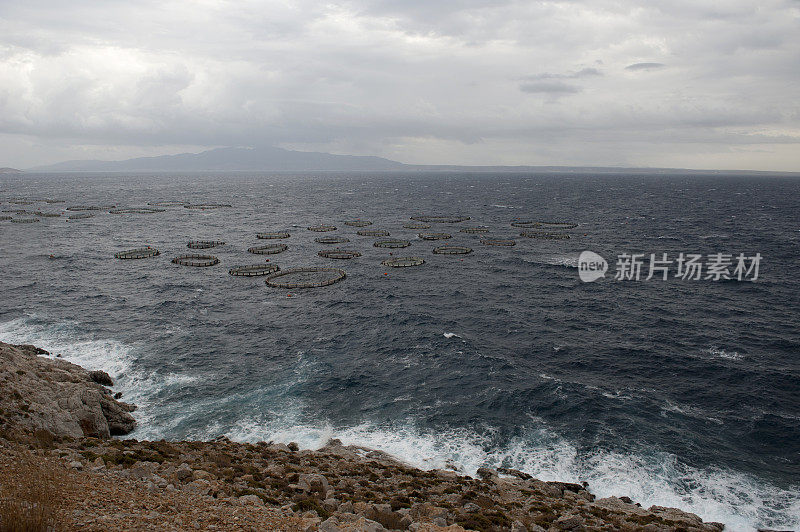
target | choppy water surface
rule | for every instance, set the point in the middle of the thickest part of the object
(680, 393)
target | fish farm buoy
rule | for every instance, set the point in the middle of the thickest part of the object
(205, 206)
(199, 261)
(452, 250)
(441, 219)
(474, 230)
(24, 220)
(272, 236)
(403, 262)
(81, 216)
(47, 214)
(544, 235)
(331, 240)
(498, 242)
(253, 270)
(136, 210)
(557, 225)
(434, 236)
(358, 223)
(5, 217)
(91, 207)
(322, 228)
(204, 244)
(140, 253)
(339, 253)
(525, 225)
(305, 277)
(268, 249)
(372, 232)
(392, 243)
(416, 225)
(168, 203)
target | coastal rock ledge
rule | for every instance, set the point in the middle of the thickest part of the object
(60, 470)
(49, 395)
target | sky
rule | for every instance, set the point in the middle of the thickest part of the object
(679, 83)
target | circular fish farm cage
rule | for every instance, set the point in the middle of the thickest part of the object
(403, 262)
(331, 240)
(558, 225)
(474, 230)
(322, 228)
(253, 270)
(441, 219)
(544, 235)
(416, 225)
(47, 214)
(358, 223)
(136, 210)
(272, 236)
(140, 253)
(4, 218)
(168, 203)
(205, 206)
(498, 242)
(268, 249)
(434, 236)
(339, 253)
(82, 216)
(525, 224)
(204, 244)
(452, 250)
(392, 243)
(24, 220)
(91, 207)
(199, 261)
(372, 232)
(305, 277)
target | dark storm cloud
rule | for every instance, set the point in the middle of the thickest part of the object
(645, 66)
(470, 81)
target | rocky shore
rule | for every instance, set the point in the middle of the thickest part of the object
(61, 469)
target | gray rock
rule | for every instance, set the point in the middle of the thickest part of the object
(314, 483)
(101, 377)
(63, 398)
(184, 472)
(487, 474)
(568, 522)
(329, 525)
(251, 500)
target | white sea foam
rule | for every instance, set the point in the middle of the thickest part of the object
(450, 335)
(739, 500)
(116, 358)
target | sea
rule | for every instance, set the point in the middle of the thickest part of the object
(680, 392)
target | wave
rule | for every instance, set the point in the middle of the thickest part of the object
(118, 359)
(741, 501)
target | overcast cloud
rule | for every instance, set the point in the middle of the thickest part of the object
(700, 84)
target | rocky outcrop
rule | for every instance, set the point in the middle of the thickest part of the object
(338, 488)
(48, 396)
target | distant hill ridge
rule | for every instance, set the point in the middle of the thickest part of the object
(231, 160)
(271, 159)
(7, 170)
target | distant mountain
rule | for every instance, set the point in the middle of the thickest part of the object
(233, 160)
(280, 160)
(10, 171)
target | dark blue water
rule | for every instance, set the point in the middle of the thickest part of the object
(682, 393)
